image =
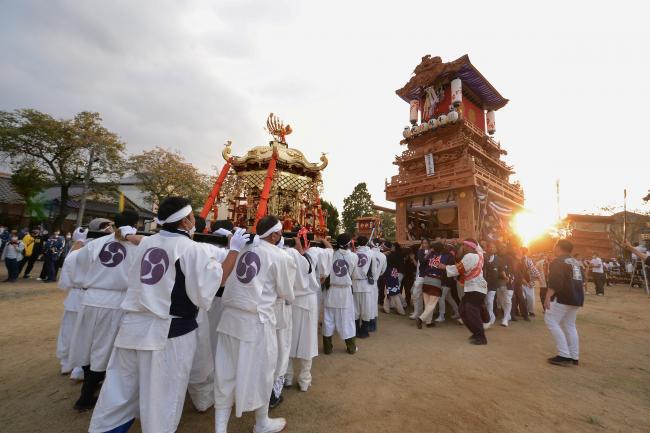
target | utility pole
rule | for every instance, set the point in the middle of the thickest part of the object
(82, 205)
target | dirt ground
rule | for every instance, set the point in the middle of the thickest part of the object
(401, 380)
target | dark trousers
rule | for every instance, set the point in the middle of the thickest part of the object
(30, 264)
(542, 295)
(12, 269)
(49, 269)
(470, 311)
(22, 264)
(407, 283)
(599, 281)
(519, 305)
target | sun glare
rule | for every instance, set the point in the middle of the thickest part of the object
(532, 225)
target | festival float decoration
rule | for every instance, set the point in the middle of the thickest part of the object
(273, 179)
(452, 182)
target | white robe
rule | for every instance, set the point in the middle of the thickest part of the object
(101, 267)
(304, 343)
(201, 384)
(338, 302)
(149, 373)
(362, 289)
(246, 353)
(71, 306)
(382, 264)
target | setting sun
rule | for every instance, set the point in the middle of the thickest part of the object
(531, 225)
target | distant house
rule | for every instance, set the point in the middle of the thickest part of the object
(102, 201)
(12, 205)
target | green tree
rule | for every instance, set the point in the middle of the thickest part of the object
(333, 221)
(60, 149)
(387, 225)
(356, 205)
(165, 173)
(29, 181)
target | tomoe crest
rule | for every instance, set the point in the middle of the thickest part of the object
(340, 268)
(112, 254)
(154, 265)
(248, 266)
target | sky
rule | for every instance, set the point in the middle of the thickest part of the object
(189, 75)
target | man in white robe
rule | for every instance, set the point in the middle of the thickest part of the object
(382, 264)
(246, 353)
(71, 306)
(284, 318)
(101, 267)
(149, 370)
(363, 279)
(201, 383)
(338, 311)
(304, 342)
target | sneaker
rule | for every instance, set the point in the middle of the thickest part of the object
(460, 321)
(418, 322)
(288, 383)
(275, 401)
(455, 316)
(531, 314)
(39, 279)
(477, 342)
(504, 323)
(440, 319)
(527, 319)
(85, 405)
(431, 325)
(412, 316)
(487, 326)
(77, 374)
(575, 362)
(26, 277)
(560, 360)
(303, 388)
(272, 425)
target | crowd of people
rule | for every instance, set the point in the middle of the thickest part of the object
(20, 249)
(149, 319)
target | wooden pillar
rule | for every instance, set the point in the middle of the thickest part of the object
(466, 213)
(400, 221)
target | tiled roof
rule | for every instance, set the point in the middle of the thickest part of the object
(7, 192)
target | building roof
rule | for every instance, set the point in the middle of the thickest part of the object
(287, 158)
(431, 70)
(591, 218)
(7, 192)
(95, 206)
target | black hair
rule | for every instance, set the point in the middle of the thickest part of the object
(199, 223)
(438, 247)
(343, 240)
(222, 224)
(565, 245)
(362, 241)
(128, 217)
(266, 223)
(169, 206)
(102, 226)
(388, 244)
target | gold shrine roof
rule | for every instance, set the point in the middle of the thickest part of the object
(288, 159)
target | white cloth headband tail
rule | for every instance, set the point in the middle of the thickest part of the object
(176, 216)
(276, 228)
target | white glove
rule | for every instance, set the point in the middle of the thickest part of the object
(281, 243)
(239, 239)
(221, 232)
(127, 230)
(79, 234)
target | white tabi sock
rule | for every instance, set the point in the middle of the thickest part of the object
(221, 417)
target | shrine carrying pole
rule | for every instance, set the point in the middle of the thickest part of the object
(215, 190)
(268, 181)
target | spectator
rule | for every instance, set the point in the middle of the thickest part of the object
(597, 273)
(28, 241)
(12, 255)
(52, 250)
(37, 249)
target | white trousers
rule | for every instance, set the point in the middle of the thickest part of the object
(284, 349)
(363, 305)
(489, 303)
(201, 384)
(304, 372)
(304, 329)
(430, 302)
(340, 320)
(149, 384)
(529, 292)
(504, 298)
(214, 316)
(375, 296)
(93, 337)
(560, 319)
(63, 341)
(243, 370)
(416, 297)
(446, 296)
(395, 302)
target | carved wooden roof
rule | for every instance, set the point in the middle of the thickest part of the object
(287, 158)
(431, 70)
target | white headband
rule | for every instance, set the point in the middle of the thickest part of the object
(176, 216)
(276, 228)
